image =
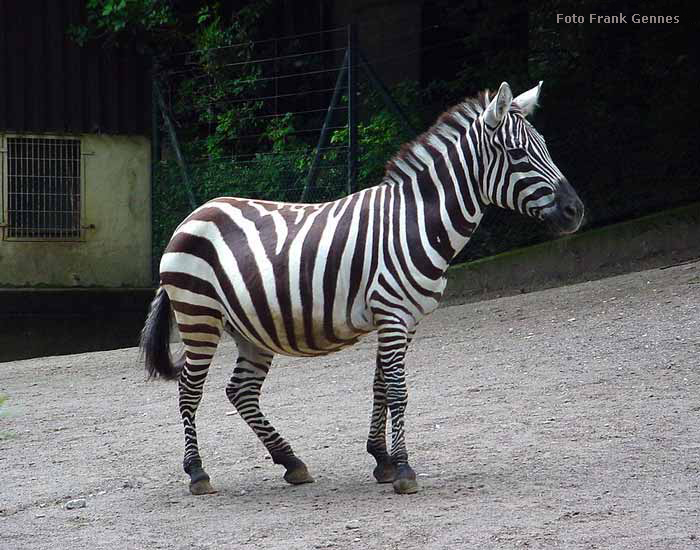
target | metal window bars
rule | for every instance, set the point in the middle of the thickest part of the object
(43, 199)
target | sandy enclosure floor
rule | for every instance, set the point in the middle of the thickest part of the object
(567, 418)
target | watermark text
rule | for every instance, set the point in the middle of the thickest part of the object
(618, 19)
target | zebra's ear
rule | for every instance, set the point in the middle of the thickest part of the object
(497, 109)
(527, 101)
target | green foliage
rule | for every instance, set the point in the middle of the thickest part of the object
(280, 176)
(205, 30)
(380, 133)
(223, 73)
(121, 21)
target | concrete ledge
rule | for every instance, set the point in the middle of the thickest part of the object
(49, 321)
(76, 301)
(652, 241)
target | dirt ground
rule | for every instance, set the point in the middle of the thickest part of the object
(566, 418)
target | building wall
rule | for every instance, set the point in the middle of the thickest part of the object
(50, 84)
(117, 251)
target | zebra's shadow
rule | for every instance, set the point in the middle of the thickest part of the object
(329, 489)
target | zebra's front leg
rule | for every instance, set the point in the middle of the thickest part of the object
(391, 354)
(243, 391)
(384, 472)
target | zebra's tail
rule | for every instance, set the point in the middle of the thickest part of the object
(155, 340)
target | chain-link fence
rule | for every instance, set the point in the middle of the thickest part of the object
(245, 120)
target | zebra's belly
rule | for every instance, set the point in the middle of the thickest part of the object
(298, 332)
(316, 341)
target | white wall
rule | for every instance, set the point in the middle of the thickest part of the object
(117, 252)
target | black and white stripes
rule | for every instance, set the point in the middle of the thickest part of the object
(310, 279)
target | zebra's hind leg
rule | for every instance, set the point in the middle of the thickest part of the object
(243, 391)
(200, 340)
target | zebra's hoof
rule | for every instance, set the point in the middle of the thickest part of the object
(405, 482)
(202, 487)
(298, 475)
(405, 486)
(384, 473)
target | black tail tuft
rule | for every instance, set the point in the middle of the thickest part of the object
(155, 340)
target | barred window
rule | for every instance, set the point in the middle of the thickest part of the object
(43, 188)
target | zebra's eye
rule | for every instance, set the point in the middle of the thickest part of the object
(517, 154)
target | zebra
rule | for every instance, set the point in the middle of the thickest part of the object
(310, 279)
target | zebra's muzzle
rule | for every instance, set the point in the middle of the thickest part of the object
(567, 215)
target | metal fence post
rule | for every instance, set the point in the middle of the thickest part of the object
(313, 170)
(155, 164)
(176, 146)
(353, 59)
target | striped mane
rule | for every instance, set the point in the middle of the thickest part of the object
(466, 111)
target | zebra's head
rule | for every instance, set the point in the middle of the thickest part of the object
(519, 173)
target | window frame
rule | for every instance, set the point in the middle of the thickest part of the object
(5, 189)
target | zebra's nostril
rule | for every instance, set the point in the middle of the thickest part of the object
(570, 211)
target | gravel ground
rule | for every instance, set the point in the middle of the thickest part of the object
(566, 418)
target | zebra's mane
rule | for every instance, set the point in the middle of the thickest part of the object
(461, 115)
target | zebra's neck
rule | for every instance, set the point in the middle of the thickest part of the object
(438, 176)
